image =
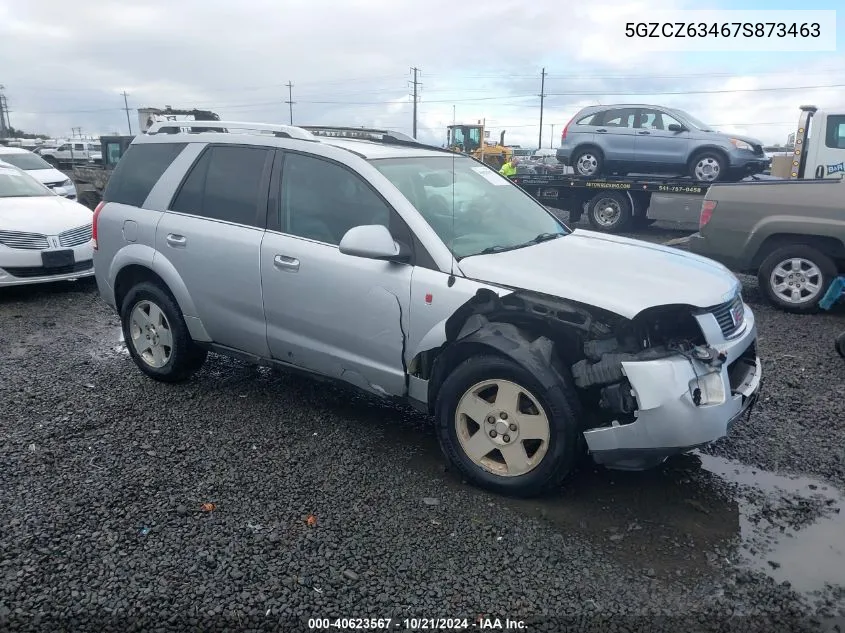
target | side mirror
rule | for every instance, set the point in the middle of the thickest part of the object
(373, 241)
(674, 127)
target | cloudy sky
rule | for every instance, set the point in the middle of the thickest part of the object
(64, 64)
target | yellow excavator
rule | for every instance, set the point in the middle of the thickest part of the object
(470, 139)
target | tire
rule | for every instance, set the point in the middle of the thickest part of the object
(822, 274)
(840, 344)
(556, 456)
(185, 357)
(609, 212)
(708, 162)
(588, 161)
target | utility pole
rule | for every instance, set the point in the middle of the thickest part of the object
(76, 131)
(126, 108)
(290, 100)
(542, 98)
(4, 129)
(416, 84)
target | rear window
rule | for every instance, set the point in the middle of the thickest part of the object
(139, 170)
(225, 184)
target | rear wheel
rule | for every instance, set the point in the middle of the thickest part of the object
(156, 335)
(795, 278)
(609, 212)
(587, 162)
(503, 430)
(840, 344)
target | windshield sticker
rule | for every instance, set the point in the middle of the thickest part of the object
(490, 176)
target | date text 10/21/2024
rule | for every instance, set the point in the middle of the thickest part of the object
(416, 624)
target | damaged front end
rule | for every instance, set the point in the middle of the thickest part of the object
(668, 380)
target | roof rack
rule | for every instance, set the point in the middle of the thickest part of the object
(366, 133)
(388, 137)
(278, 130)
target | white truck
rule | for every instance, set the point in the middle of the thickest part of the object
(74, 152)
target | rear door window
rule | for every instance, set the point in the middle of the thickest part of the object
(622, 117)
(228, 183)
(139, 170)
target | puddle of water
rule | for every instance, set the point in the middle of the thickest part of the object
(808, 557)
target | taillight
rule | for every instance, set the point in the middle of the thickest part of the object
(706, 213)
(96, 217)
(565, 130)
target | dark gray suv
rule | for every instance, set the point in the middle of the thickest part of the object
(648, 139)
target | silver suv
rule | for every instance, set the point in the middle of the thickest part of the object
(648, 139)
(422, 275)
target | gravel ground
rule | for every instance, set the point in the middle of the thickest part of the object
(327, 504)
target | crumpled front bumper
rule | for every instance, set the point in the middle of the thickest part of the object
(668, 421)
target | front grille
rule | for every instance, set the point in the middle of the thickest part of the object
(75, 237)
(730, 315)
(41, 271)
(19, 239)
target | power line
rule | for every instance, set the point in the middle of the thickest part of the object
(290, 100)
(510, 97)
(542, 98)
(126, 108)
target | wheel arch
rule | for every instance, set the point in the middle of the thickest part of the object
(830, 246)
(541, 334)
(703, 149)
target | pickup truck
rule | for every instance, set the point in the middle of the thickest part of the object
(790, 233)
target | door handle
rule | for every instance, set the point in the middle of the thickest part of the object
(176, 240)
(601, 130)
(283, 262)
(645, 132)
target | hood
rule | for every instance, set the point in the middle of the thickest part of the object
(47, 215)
(47, 176)
(618, 274)
(748, 139)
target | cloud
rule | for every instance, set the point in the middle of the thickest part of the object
(65, 65)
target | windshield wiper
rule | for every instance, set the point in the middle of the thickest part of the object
(497, 248)
(544, 237)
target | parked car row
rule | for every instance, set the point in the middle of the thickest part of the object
(40, 169)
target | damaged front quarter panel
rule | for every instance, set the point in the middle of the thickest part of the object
(533, 330)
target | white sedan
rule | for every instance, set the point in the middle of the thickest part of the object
(43, 236)
(40, 169)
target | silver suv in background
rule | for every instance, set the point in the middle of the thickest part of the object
(646, 139)
(421, 275)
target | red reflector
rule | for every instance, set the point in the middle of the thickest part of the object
(706, 213)
(96, 217)
(428, 298)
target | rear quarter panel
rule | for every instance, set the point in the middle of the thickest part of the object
(746, 214)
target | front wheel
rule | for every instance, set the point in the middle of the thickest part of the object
(156, 335)
(795, 278)
(708, 167)
(503, 430)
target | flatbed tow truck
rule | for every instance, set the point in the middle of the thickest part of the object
(616, 204)
(612, 205)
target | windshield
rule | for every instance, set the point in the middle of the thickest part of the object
(16, 184)
(490, 213)
(693, 121)
(26, 161)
